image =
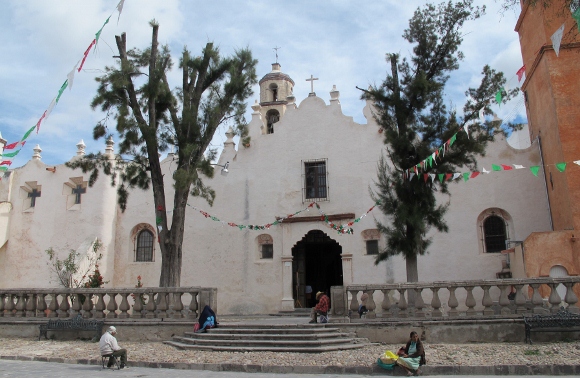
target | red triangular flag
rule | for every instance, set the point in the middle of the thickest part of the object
(425, 177)
(11, 146)
(39, 121)
(521, 72)
(474, 174)
(6, 162)
(448, 176)
(86, 54)
(506, 167)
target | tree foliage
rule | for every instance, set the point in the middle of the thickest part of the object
(72, 271)
(410, 108)
(564, 5)
(151, 117)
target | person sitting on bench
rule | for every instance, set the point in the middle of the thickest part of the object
(109, 347)
(321, 308)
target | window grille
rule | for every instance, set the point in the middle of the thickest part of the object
(267, 251)
(144, 246)
(315, 180)
(495, 235)
(372, 247)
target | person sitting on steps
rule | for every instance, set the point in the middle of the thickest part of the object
(321, 308)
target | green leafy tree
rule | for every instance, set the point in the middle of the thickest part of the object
(411, 110)
(151, 117)
(72, 271)
(564, 5)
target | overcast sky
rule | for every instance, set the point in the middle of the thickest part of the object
(341, 42)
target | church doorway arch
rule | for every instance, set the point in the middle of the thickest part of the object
(316, 263)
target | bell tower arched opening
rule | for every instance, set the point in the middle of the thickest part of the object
(316, 263)
(272, 117)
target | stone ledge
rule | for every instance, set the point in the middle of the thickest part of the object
(362, 370)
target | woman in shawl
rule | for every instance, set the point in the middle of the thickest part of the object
(413, 356)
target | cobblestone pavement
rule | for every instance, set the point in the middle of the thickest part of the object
(33, 369)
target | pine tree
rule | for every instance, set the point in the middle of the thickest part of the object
(152, 117)
(411, 110)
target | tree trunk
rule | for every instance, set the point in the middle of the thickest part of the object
(412, 276)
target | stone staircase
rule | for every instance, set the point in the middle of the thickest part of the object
(303, 338)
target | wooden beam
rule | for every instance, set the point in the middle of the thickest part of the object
(318, 218)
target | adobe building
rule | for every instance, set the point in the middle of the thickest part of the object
(553, 111)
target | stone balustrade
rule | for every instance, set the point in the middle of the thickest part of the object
(179, 303)
(456, 299)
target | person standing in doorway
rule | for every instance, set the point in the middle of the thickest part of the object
(321, 308)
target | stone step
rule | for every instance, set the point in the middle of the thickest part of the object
(278, 330)
(297, 349)
(267, 336)
(263, 343)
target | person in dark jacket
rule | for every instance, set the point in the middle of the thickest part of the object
(413, 356)
(207, 319)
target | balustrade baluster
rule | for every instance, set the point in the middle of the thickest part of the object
(452, 303)
(419, 303)
(76, 305)
(193, 305)
(64, 307)
(177, 305)
(112, 306)
(386, 304)
(41, 305)
(571, 299)
(537, 299)
(20, 306)
(53, 306)
(31, 305)
(2, 306)
(9, 306)
(371, 305)
(151, 306)
(137, 312)
(520, 300)
(402, 303)
(100, 306)
(504, 301)
(436, 303)
(88, 306)
(470, 301)
(162, 305)
(354, 301)
(487, 302)
(124, 306)
(554, 298)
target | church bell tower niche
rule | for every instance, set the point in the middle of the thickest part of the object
(276, 90)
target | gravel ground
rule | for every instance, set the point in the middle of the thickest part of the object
(437, 354)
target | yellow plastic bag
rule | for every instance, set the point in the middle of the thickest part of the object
(389, 358)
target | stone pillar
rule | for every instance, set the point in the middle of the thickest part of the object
(339, 311)
(124, 306)
(346, 269)
(436, 303)
(371, 306)
(193, 306)
(287, 303)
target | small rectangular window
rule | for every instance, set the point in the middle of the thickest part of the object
(315, 180)
(372, 247)
(267, 251)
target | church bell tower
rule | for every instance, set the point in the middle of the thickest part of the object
(275, 96)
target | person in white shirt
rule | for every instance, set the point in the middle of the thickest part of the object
(108, 345)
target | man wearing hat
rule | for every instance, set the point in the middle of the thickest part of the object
(108, 345)
(321, 308)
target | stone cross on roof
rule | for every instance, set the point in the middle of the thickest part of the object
(311, 80)
(276, 49)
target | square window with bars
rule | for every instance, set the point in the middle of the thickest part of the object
(372, 247)
(267, 251)
(315, 180)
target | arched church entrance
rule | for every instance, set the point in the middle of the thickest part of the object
(316, 263)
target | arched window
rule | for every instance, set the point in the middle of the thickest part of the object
(274, 89)
(272, 117)
(144, 246)
(265, 246)
(494, 230)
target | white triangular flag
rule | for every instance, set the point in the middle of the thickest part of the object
(50, 107)
(557, 38)
(432, 177)
(456, 176)
(411, 176)
(433, 155)
(466, 129)
(120, 9)
(484, 170)
(577, 162)
(517, 166)
(481, 115)
(71, 76)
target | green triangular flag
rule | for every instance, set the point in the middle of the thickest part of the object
(452, 139)
(561, 166)
(576, 16)
(3, 168)
(28, 133)
(11, 154)
(62, 88)
(535, 169)
(495, 167)
(466, 176)
(441, 176)
(98, 34)
(499, 96)
(430, 160)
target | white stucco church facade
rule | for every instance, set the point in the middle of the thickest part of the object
(299, 154)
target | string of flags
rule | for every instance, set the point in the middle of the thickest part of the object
(6, 158)
(339, 228)
(442, 177)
